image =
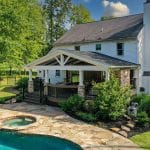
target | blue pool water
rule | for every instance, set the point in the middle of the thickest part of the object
(16, 141)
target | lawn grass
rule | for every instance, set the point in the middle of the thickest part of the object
(143, 140)
(6, 93)
(147, 97)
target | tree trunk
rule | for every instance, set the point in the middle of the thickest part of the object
(10, 70)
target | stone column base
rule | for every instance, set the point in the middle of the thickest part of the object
(81, 91)
(30, 86)
(125, 77)
(46, 89)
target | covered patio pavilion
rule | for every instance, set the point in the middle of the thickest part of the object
(87, 64)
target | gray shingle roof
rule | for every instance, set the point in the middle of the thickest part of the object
(101, 58)
(114, 29)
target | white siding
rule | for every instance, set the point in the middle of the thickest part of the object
(146, 50)
(109, 48)
(140, 48)
(56, 79)
(67, 47)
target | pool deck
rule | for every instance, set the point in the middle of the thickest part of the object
(53, 121)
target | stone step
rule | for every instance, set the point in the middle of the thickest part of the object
(115, 129)
(130, 125)
(123, 133)
(125, 128)
(33, 98)
(31, 95)
(32, 101)
(119, 131)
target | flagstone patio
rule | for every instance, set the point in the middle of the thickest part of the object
(53, 121)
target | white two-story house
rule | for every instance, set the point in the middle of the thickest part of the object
(87, 52)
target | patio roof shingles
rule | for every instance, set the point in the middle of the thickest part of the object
(102, 58)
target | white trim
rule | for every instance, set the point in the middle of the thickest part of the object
(62, 62)
(62, 59)
(66, 60)
(46, 76)
(30, 75)
(57, 59)
(56, 53)
(107, 75)
(74, 68)
(113, 67)
(83, 59)
(43, 59)
(81, 78)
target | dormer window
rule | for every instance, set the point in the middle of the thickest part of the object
(98, 47)
(120, 49)
(77, 48)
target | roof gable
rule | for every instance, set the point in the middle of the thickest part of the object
(117, 28)
(91, 58)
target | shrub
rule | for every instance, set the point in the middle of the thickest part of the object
(138, 98)
(145, 105)
(112, 99)
(89, 106)
(22, 83)
(4, 99)
(143, 119)
(86, 116)
(73, 104)
(19, 99)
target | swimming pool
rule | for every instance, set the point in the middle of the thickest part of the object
(17, 141)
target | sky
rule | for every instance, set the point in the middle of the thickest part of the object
(116, 8)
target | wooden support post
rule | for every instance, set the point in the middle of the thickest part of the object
(81, 87)
(107, 75)
(30, 83)
(30, 75)
(46, 76)
(81, 78)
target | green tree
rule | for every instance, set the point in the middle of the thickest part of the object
(107, 18)
(57, 17)
(22, 31)
(80, 15)
(112, 99)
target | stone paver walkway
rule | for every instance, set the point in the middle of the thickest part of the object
(53, 121)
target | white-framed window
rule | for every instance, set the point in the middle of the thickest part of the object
(120, 49)
(98, 47)
(57, 73)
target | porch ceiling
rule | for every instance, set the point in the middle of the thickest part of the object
(67, 59)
